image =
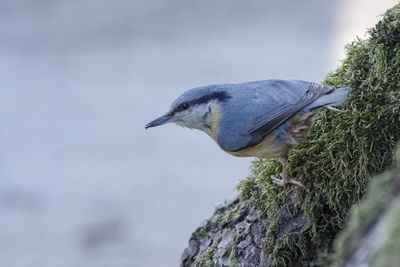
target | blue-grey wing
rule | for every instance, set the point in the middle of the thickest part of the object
(259, 108)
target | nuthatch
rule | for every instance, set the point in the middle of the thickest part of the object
(263, 119)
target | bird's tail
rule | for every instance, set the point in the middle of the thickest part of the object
(334, 98)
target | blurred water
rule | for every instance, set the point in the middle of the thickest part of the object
(81, 182)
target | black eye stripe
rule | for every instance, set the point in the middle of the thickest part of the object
(181, 107)
(221, 96)
(184, 105)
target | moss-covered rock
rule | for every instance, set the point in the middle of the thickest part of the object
(336, 162)
(372, 235)
(231, 237)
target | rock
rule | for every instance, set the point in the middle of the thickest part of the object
(372, 236)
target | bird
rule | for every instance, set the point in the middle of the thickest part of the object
(262, 119)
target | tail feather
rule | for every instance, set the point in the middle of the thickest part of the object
(334, 98)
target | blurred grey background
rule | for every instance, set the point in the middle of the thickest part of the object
(81, 182)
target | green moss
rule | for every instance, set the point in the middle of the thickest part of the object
(231, 250)
(199, 234)
(206, 258)
(342, 151)
(230, 214)
(380, 206)
(379, 196)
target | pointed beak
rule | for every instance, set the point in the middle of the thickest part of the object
(160, 121)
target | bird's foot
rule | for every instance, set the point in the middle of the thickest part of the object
(283, 182)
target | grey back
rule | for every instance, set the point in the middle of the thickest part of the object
(257, 108)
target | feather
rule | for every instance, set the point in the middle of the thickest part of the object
(258, 109)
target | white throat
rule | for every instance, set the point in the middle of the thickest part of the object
(204, 117)
(211, 120)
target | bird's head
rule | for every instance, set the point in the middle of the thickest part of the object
(198, 108)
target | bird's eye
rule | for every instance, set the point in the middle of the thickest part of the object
(184, 106)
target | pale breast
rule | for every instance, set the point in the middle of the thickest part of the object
(267, 148)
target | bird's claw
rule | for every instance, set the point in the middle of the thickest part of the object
(334, 109)
(281, 182)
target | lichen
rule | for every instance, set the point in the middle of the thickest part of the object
(342, 151)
